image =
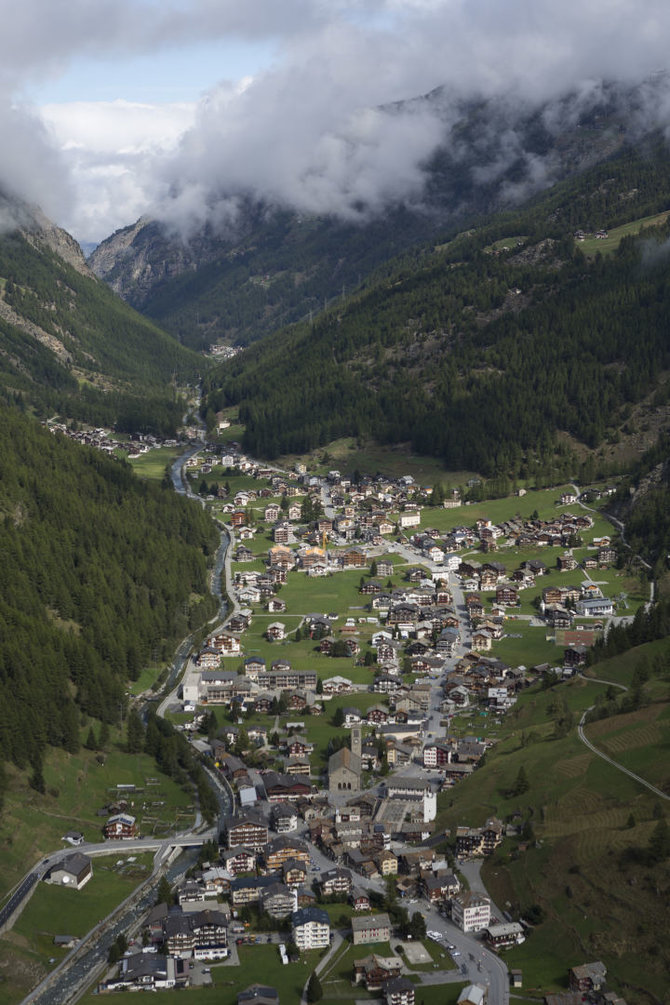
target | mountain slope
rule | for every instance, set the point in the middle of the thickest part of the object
(67, 343)
(477, 354)
(277, 267)
(102, 573)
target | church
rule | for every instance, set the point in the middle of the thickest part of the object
(344, 766)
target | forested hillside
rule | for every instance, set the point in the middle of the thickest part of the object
(68, 345)
(102, 573)
(273, 266)
(483, 351)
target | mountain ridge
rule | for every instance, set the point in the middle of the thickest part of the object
(68, 344)
(276, 266)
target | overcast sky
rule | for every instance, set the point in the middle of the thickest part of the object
(114, 108)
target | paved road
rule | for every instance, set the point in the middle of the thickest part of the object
(592, 747)
(470, 950)
(610, 760)
(88, 961)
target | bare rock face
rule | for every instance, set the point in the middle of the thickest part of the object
(42, 231)
(137, 259)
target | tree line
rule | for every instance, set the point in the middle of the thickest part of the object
(102, 574)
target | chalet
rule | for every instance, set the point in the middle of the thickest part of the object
(297, 767)
(247, 831)
(360, 899)
(440, 886)
(377, 715)
(507, 596)
(399, 991)
(284, 818)
(482, 639)
(373, 928)
(278, 900)
(606, 555)
(238, 860)
(558, 616)
(74, 871)
(282, 849)
(276, 605)
(501, 936)
(202, 934)
(335, 881)
(376, 971)
(275, 632)
(120, 827)
(247, 889)
(354, 558)
(575, 656)
(299, 748)
(285, 788)
(587, 977)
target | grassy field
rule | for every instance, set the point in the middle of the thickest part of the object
(505, 244)
(348, 455)
(28, 952)
(599, 903)
(592, 245)
(32, 825)
(258, 965)
(152, 464)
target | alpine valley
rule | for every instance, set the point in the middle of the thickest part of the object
(431, 444)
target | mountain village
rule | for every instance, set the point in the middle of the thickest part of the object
(328, 837)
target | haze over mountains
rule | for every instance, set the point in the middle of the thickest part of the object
(261, 258)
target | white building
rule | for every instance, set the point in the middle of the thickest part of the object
(310, 928)
(471, 911)
(595, 607)
(409, 519)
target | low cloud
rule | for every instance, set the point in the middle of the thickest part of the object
(319, 130)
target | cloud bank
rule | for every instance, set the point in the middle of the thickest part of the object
(318, 130)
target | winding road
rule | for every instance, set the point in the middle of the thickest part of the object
(592, 747)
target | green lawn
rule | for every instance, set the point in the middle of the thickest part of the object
(580, 808)
(530, 650)
(32, 825)
(28, 952)
(592, 245)
(497, 510)
(56, 910)
(152, 464)
(347, 455)
(258, 965)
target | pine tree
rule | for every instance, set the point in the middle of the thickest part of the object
(134, 733)
(314, 989)
(164, 892)
(659, 842)
(521, 784)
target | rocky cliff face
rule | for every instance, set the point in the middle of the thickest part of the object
(40, 230)
(137, 259)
